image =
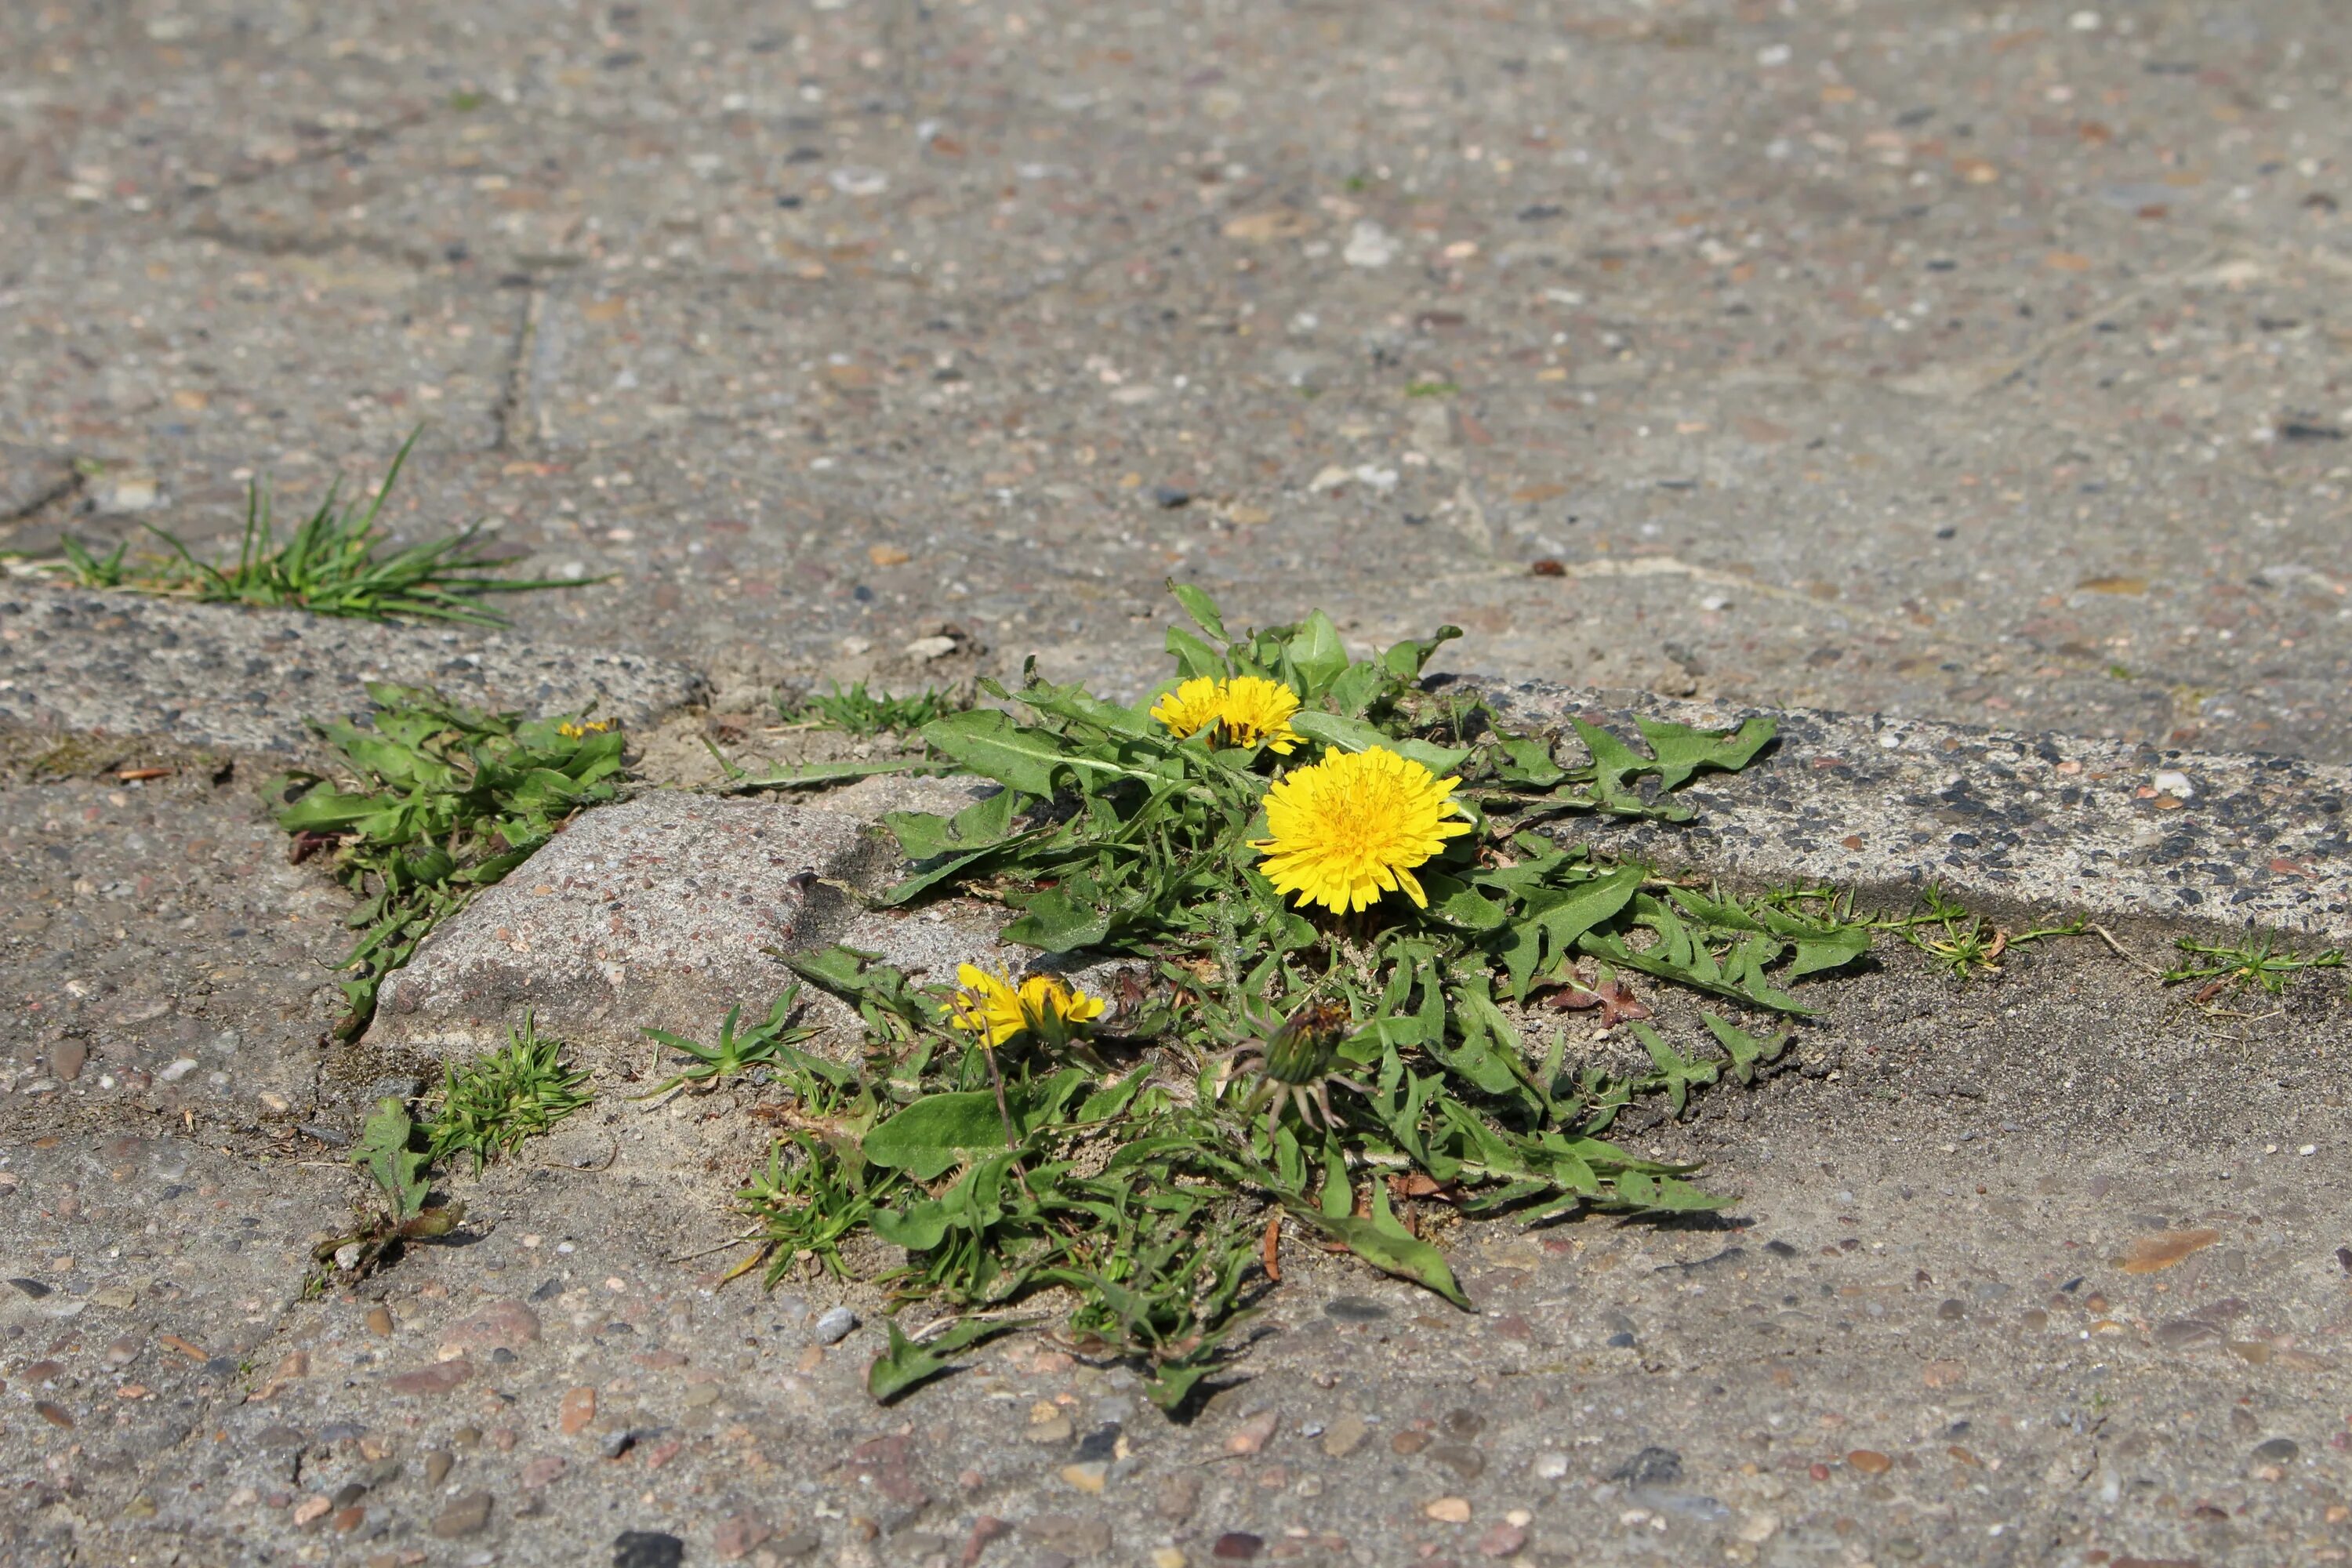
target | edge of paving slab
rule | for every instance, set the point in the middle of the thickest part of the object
(246, 679)
(659, 911)
(2000, 818)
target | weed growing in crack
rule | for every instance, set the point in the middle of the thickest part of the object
(438, 801)
(337, 562)
(869, 714)
(404, 1210)
(487, 1108)
(2218, 969)
(1133, 1157)
(770, 1045)
(1964, 945)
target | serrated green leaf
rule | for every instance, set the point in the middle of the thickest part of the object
(1392, 1251)
(905, 1363)
(917, 1227)
(1053, 922)
(937, 1132)
(1195, 659)
(1682, 751)
(1201, 607)
(1355, 735)
(987, 742)
(383, 1151)
(1316, 656)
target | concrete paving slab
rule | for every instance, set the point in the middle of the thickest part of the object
(241, 680)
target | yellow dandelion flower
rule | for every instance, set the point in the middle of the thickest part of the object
(1353, 825)
(572, 730)
(1255, 711)
(989, 1005)
(1247, 711)
(1190, 708)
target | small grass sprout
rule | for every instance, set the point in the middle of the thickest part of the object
(870, 714)
(2232, 966)
(767, 1044)
(340, 561)
(487, 1108)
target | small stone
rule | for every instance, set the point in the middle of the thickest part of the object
(1236, 1546)
(379, 1322)
(501, 1325)
(1167, 1557)
(1464, 1460)
(2180, 1333)
(1166, 496)
(648, 1549)
(2163, 1248)
(1505, 1540)
(1449, 1510)
(1652, 1467)
(578, 1409)
(310, 1508)
(466, 1516)
(1757, 1528)
(439, 1463)
(124, 1350)
(834, 1327)
(1368, 245)
(800, 1543)
(1253, 1434)
(1177, 1496)
(68, 1058)
(1344, 1436)
(736, 1536)
(1951, 1309)
(1066, 1533)
(1087, 1478)
(2277, 1452)
(542, 1470)
(1944, 1373)
(439, 1378)
(1054, 1429)
(115, 1297)
(1870, 1461)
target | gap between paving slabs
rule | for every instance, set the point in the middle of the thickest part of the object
(1324, 1071)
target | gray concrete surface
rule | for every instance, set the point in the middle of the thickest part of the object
(226, 676)
(1928, 357)
(1942, 362)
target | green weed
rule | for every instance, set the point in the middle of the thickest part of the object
(866, 715)
(2220, 968)
(487, 1108)
(769, 1043)
(403, 1212)
(336, 563)
(1135, 1162)
(440, 801)
(1963, 944)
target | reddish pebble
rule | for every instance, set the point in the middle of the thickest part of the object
(578, 1409)
(1819, 1472)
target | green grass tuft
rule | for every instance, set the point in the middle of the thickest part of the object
(869, 714)
(438, 801)
(488, 1108)
(337, 562)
